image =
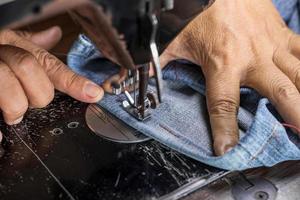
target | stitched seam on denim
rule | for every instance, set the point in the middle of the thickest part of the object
(264, 145)
(241, 158)
(289, 151)
(164, 127)
(168, 130)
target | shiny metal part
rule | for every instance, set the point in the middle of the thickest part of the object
(136, 111)
(129, 98)
(109, 127)
(127, 84)
(140, 107)
(147, 28)
(116, 88)
(153, 100)
(155, 58)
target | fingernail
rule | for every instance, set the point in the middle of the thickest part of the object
(92, 90)
(17, 121)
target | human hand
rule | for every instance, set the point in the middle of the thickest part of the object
(241, 43)
(29, 74)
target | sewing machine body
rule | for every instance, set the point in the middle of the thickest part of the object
(88, 166)
(145, 26)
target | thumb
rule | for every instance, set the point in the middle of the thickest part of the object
(45, 39)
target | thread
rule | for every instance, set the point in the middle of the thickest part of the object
(292, 127)
(45, 166)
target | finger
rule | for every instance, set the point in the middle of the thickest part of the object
(46, 39)
(223, 100)
(280, 90)
(294, 45)
(63, 79)
(289, 65)
(13, 101)
(34, 80)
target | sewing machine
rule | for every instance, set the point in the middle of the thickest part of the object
(87, 166)
(146, 26)
(61, 134)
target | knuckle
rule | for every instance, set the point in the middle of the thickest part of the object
(284, 91)
(25, 61)
(41, 54)
(23, 34)
(223, 107)
(6, 35)
(48, 61)
(72, 80)
(276, 55)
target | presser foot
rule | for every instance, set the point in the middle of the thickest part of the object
(135, 112)
(141, 112)
(139, 106)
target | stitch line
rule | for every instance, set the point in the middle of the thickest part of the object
(264, 145)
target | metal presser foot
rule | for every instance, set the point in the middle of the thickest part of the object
(140, 104)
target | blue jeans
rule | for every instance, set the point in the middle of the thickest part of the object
(181, 121)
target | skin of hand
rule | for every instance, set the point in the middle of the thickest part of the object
(29, 74)
(241, 43)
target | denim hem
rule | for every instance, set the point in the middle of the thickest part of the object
(263, 139)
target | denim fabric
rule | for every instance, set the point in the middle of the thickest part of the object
(289, 10)
(181, 121)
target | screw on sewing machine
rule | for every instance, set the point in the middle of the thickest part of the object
(253, 189)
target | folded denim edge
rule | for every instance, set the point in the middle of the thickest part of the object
(253, 149)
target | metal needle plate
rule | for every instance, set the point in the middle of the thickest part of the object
(254, 189)
(107, 126)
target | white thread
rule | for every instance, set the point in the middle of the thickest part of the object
(45, 166)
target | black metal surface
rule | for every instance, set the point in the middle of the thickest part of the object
(15, 10)
(130, 17)
(88, 166)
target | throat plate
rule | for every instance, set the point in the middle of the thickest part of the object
(109, 127)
